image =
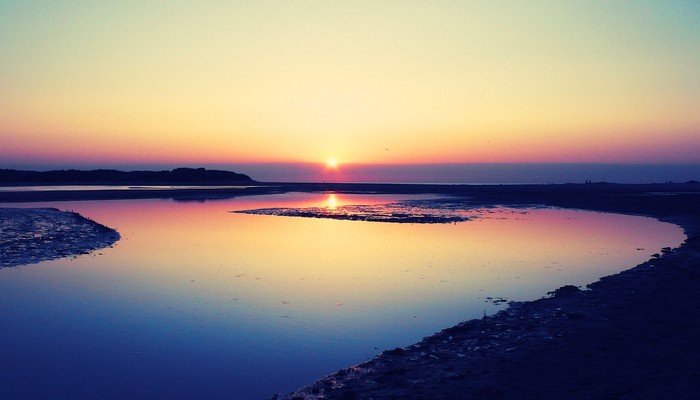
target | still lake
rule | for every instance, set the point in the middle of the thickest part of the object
(195, 302)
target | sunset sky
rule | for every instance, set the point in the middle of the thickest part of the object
(364, 82)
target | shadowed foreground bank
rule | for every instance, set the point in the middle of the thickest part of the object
(631, 336)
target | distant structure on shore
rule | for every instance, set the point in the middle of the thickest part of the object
(191, 176)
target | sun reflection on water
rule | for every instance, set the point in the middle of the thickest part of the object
(332, 201)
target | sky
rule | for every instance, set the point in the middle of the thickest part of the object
(133, 83)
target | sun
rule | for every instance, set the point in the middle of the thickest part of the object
(332, 163)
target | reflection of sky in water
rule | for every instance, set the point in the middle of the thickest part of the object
(198, 302)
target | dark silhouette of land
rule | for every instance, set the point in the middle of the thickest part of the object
(633, 335)
(190, 176)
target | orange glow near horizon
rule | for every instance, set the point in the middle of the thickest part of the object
(370, 83)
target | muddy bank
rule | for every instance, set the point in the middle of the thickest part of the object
(30, 235)
(632, 335)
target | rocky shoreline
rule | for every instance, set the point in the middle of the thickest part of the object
(30, 235)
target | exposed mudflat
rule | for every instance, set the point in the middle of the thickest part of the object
(436, 211)
(30, 235)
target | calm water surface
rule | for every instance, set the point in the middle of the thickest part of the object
(197, 302)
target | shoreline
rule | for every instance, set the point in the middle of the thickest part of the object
(627, 335)
(536, 193)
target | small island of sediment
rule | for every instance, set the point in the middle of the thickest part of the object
(30, 235)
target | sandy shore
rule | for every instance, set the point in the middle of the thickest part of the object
(633, 335)
(30, 235)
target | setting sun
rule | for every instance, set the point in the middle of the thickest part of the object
(236, 183)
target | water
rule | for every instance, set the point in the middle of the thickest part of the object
(197, 302)
(71, 188)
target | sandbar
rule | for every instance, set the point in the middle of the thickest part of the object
(30, 235)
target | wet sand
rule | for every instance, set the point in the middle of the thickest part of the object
(633, 335)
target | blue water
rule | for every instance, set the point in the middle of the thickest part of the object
(197, 302)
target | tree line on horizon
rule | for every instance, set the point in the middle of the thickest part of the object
(111, 176)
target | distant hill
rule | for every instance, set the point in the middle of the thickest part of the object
(179, 176)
